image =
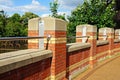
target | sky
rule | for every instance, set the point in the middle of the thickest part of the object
(39, 7)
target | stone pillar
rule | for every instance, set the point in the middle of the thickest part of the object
(117, 34)
(107, 34)
(103, 34)
(56, 28)
(81, 30)
(33, 26)
(91, 31)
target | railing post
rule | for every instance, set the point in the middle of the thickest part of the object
(33, 31)
(56, 28)
(91, 31)
(107, 34)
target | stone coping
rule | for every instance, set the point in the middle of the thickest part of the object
(116, 40)
(102, 42)
(13, 60)
(77, 46)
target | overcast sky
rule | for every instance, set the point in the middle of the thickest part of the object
(39, 7)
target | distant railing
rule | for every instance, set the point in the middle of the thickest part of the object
(8, 44)
(72, 39)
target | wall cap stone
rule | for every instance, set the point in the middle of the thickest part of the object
(13, 60)
(102, 42)
(77, 46)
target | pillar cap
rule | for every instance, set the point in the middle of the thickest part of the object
(90, 28)
(33, 23)
(55, 24)
(108, 30)
(117, 31)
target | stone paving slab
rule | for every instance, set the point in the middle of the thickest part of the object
(109, 70)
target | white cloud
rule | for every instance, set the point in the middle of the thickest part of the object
(44, 15)
(6, 2)
(70, 4)
(35, 6)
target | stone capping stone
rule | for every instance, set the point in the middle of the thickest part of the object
(90, 28)
(108, 30)
(77, 46)
(102, 42)
(54, 24)
(116, 40)
(34, 23)
(13, 60)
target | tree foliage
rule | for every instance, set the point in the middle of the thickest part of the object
(94, 12)
(3, 22)
(54, 10)
(15, 25)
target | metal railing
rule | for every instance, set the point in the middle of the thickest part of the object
(8, 44)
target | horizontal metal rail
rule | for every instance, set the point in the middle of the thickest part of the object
(103, 35)
(77, 36)
(19, 38)
(41, 37)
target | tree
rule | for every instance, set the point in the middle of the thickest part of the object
(27, 16)
(54, 10)
(94, 12)
(54, 7)
(24, 21)
(3, 22)
(14, 27)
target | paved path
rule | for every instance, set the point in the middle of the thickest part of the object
(108, 71)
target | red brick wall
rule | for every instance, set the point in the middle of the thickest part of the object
(75, 57)
(116, 47)
(36, 71)
(101, 49)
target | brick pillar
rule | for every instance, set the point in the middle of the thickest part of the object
(110, 34)
(117, 34)
(33, 32)
(107, 34)
(92, 33)
(88, 30)
(56, 28)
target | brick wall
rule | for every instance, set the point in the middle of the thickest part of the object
(65, 64)
(77, 62)
(36, 71)
(102, 52)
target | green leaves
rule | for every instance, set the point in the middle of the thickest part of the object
(15, 25)
(54, 7)
(94, 12)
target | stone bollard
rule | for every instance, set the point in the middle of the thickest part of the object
(107, 34)
(56, 29)
(91, 31)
